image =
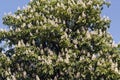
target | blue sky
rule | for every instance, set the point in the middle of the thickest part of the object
(113, 12)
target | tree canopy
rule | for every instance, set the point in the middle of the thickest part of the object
(59, 40)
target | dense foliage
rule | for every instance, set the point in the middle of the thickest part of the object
(59, 40)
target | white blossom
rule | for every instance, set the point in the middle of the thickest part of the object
(56, 20)
(37, 31)
(18, 29)
(24, 73)
(39, 58)
(89, 3)
(81, 2)
(6, 73)
(41, 22)
(60, 58)
(50, 52)
(8, 78)
(59, 20)
(33, 42)
(50, 16)
(38, 3)
(69, 10)
(114, 44)
(64, 36)
(37, 77)
(45, 20)
(98, 6)
(75, 46)
(23, 25)
(93, 56)
(31, 0)
(73, 1)
(46, 6)
(63, 21)
(67, 58)
(88, 34)
(27, 44)
(75, 41)
(10, 13)
(52, 8)
(41, 51)
(58, 4)
(2, 30)
(93, 32)
(29, 25)
(31, 10)
(27, 52)
(79, 17)
(28, 7)
(81, 58)
(66, 49)
(83, 14)
(49, 61)
(31, 34)
(18, 17)
(30, 15)
(107, 18)
(78, 75)
(52, 22)
(55, 78)
(36, 14)
(78, 31)
(63, 6)
(20, 14)
(22, 43)
(19, 43)
(18, 8)
(13, 77)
